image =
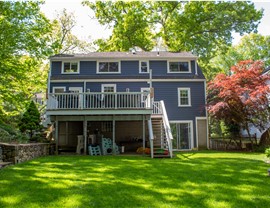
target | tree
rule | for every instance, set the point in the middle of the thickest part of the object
(63, 41)
(24, 38)
(30, 120)
(201, 27)
(251, 47)
(240, 99)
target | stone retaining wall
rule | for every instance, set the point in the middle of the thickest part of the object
(17, 153)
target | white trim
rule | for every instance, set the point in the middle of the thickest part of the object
(207, 130)
(108, 85)
(108, 61)
(196, 68)
(61, 87)
(140, 67)
(78, 67)
(180, 72)
(127, 80)
(191, 130)
(189, 96)
(136, 58)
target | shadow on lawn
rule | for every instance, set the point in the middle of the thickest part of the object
(189, 180)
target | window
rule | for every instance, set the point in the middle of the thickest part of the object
(184, 97)
(144, 67)
(108, 67)
(108, 88)
(179, 67)
(70, 67)
(59, 89)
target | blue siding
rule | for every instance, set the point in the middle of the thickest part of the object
(88, 67)
(67, 85)
(128, 69)
(56, 67)
(168, 91)
(120, 87)
(158, 67)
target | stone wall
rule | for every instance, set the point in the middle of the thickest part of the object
(17, 153)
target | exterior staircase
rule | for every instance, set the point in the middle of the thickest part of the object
(160, 133)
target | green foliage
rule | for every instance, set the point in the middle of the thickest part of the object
(24, 39)
(251, 47)
(5, 136)
(30, 120)
(267, 152)
(201, 27)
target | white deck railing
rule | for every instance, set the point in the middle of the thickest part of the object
(98, 100)
(157, 107)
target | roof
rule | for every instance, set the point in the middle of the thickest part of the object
(127, 55)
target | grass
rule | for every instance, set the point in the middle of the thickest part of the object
(193, 179)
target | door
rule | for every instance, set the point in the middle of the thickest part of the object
(202, 133)
(108, 98)
(182, 135)
(146, 98)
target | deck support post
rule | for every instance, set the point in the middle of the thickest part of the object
(85, 135)
(56, 134)
(113, 136)
(143, 130)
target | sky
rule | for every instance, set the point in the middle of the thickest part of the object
(88, 27)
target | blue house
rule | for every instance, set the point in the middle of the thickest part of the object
(152, 100)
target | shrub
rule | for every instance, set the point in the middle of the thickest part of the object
(5, 136)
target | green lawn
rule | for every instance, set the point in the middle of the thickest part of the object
(193, 179)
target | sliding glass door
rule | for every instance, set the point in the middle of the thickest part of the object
(182, 135)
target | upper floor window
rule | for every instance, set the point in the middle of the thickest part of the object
(108, 87)
(108, 67)
(184, 97)
(144, 67)
(70, 67)
(178, 66)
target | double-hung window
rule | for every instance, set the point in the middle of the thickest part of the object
(70, 67)
(184, 97)
(144, 67)
(179, 67)
(108, 67)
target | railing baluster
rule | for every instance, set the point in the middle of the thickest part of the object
(100, 100)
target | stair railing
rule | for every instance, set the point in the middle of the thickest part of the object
(167, 127)
(151, 137)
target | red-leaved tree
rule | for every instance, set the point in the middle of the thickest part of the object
(242, 97)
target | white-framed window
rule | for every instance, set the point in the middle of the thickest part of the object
(75, 89)
(184, 97)
(179, 67)
(59, 89)
(70, 67)
(108, 67)
(108, 87)
(144, 66)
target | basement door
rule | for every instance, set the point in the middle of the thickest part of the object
(182, 135)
